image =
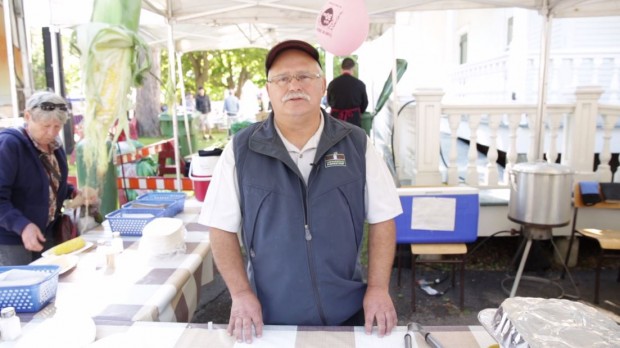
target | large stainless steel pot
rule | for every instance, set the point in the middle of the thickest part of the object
(540, 194)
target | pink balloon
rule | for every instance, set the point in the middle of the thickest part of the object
(342, 26)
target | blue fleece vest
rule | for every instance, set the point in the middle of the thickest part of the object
(303, 242)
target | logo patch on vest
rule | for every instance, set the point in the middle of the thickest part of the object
(335, 160)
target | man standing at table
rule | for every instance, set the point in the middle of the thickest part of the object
(298, 188)
(346, 95)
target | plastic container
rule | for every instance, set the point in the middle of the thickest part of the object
(30, 298)
(201, 183)
(10, 326)
(170, 208)
(166, 128)
(130, 222)
(200, 170)
(203, 165)
(179, 197)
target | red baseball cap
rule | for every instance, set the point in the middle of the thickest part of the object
(290, 45)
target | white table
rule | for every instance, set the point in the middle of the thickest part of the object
(138, 288)
(159, 334)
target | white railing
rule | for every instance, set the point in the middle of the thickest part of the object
(573, 133)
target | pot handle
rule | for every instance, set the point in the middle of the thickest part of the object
(513, 180)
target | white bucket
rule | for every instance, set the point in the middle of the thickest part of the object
(203, 165)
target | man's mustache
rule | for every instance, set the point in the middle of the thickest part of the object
(295, 95)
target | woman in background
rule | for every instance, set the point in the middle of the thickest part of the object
(33, 180)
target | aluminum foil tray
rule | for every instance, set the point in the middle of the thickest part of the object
(523, 322)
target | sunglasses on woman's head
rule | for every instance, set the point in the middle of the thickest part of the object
(48, 106)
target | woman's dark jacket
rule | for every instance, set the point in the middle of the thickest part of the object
(24, 186)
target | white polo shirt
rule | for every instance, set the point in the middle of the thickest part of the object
(221, 208)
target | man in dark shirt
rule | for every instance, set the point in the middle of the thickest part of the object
(346, 95)
(203, 107)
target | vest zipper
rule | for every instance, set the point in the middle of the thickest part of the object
(308, 236)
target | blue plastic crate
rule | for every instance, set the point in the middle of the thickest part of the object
(166, 196)
(170, 208)
(30, 298)
(131, 222)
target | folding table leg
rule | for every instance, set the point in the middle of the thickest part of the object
(413, 281)
(462, 282)
(597, 278)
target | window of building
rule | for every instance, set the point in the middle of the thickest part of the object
(463, 49)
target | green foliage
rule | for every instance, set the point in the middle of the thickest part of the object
(226, 69)
(70, 60)
(338, 61)
(237, 126)
(38, 61)
(144, 167)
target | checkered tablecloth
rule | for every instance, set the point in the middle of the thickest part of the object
(160, 334)
(138, 288)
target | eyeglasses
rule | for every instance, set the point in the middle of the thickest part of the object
(48, 106)
(302, 78)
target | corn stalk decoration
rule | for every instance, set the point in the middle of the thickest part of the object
(113, 59)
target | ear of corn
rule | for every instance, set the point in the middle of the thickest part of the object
(113, 59)
(69, 246)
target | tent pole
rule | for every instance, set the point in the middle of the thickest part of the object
(56, 70)
(55, 62)
(173, 113)
(538, 146)
(8, 29)
(24, 47)
(184, 108)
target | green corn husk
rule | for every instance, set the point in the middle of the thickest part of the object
(113, 59)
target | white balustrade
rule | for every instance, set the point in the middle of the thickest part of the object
(573, 132)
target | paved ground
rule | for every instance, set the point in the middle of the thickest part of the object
(485, 272)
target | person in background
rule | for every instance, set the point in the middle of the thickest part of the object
(297, 189)
(203, 107)
(346, 95)
(33, 180)
(231, 109)
(190, 102)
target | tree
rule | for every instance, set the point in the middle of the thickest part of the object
(200, 66)
(219, 70)
(147, 99)
(230, 69)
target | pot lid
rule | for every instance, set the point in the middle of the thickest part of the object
(542, 167)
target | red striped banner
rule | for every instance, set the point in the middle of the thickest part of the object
(153, 149)
(154, 183)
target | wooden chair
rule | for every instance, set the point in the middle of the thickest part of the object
(609, 240)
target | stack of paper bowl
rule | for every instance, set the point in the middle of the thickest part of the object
(162, 236)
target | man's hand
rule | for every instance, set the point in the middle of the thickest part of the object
(33, 238)
(245, 312)
(379, 308)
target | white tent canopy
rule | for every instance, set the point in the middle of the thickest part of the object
(191, 25)
(226, 24)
